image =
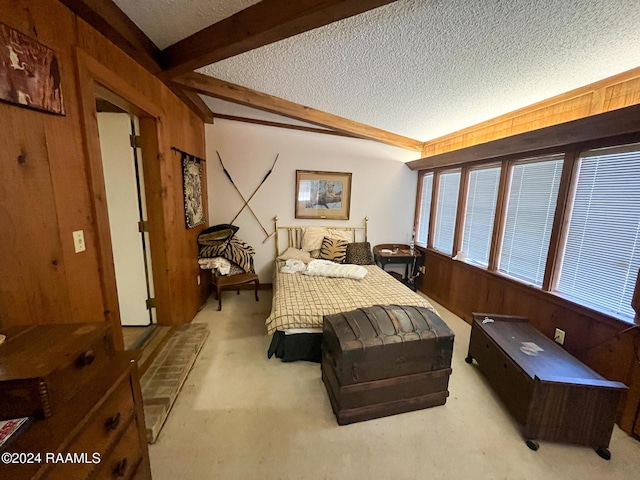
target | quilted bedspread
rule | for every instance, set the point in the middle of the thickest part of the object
(301, 301)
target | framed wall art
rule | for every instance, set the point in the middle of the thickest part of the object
(192, 186)
(29, 73)
(323, 194)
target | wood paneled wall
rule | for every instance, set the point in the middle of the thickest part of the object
(46, 189)
(609, 94)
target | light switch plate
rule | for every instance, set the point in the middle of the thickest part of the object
(78, 241)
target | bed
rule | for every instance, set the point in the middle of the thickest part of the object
(300, 301)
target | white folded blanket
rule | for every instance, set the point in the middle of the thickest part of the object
(293, 265)
(222, 264)
(327, 268)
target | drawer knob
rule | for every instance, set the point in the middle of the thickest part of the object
(121, 468)
(112, 422)
(87, 358)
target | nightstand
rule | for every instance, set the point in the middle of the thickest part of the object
(399, 254)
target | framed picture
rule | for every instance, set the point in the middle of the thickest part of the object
(29, 73)
(323, 195)
(192, 186)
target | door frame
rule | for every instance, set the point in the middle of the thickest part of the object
(96, 79)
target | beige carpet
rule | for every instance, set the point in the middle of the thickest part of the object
(241, 416)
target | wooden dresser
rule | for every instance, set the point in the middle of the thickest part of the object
(84, 402)
(551, 394)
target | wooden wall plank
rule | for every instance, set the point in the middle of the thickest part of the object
(68, 167)
(621, 94)
(32, 273)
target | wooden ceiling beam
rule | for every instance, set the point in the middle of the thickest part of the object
(192, 100)
(244, 96)
(106, 17)
(263, 23)
(288, 126)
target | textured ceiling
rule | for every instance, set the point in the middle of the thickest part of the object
(166, 22)
(423, 68)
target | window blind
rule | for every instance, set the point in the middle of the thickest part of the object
(530, 209)
(425, 210)
(446, 208)
(602, 250)
(480, 213)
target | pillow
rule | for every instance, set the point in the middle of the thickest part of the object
(359, 254)
(217, 233)
(333, 249)
(295, 254)
(312, 238)
(336, 233)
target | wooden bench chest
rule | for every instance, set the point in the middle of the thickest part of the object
(551, 394)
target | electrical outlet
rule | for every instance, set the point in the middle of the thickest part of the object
(78, 241)
(559, 336)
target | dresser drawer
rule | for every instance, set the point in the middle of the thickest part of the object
(83, 365)
(100, 434)
(42, 367)
(123, 461)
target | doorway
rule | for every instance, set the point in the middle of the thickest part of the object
(128, 223)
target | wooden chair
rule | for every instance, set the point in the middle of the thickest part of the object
(226, 282)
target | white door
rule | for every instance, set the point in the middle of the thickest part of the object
(126, 206)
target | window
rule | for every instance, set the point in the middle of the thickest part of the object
(425, 210)
(529, 218)
(446, 208)
(480, 212)
(602, 250)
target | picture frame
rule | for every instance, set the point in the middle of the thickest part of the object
(192, 188)
(29, 73)
(323, 195)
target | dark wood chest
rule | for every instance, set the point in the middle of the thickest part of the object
(385, 360)
(550, 393)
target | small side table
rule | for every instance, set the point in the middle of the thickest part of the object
(399, 254)
(223, 282)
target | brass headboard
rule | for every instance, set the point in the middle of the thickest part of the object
(293, 234)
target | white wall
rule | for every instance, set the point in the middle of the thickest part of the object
(383, 187)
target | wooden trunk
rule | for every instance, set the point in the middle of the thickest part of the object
(551, 394)
(383, 360)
